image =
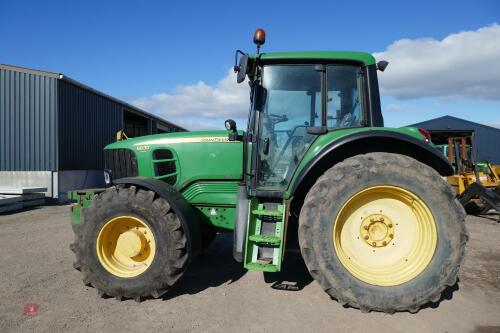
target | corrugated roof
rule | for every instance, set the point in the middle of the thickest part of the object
(66, 78)
(448, 117)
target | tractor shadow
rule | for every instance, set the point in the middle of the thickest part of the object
(294, 275)
(216, 267)
(446, 295)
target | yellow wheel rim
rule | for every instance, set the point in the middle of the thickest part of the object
(385, 235)
(125, 246)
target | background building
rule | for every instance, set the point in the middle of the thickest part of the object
(487, 138)
(53, 130)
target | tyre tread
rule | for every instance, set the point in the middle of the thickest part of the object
(308, 227)
(178, 255)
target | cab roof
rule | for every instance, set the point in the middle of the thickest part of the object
(362, 57)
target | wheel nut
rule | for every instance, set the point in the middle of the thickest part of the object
(366, 227)
(384, 243)
(366, 237)
(374, 243)
(390, 225)
(391, 235)
(381, 219)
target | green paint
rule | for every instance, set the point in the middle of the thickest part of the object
(265, 239)
(266, 212)
(326, 139)
(82, 200)
(203, 155)
(206, 192)
(216, 216)
(208, 169)
(362, 57)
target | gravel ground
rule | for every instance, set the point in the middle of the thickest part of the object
(217, 293)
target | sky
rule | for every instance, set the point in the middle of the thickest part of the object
(174, 59)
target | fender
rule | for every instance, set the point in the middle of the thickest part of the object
(179, 204)
(368, 142)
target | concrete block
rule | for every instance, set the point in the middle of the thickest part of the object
(11, 207)
(21, 190)
(6, 199)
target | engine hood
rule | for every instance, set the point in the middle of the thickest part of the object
(142, 142)
(193, 156)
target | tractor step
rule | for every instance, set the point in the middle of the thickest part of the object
(255, 266)
(265, 236)
(265, 239)
(261, 212)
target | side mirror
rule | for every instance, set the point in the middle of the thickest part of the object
(241, 69)
(382, 65)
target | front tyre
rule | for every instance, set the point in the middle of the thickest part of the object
(382, 232)
(130, 244)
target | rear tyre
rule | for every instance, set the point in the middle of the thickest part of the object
(130, 244)
(382, 232)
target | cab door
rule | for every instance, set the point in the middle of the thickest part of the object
(292, 103)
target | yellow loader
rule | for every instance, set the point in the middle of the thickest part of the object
(477, 184)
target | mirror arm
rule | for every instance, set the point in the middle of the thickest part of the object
(235, 137)
(236, 68)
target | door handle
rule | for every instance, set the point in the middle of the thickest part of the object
(266, 146)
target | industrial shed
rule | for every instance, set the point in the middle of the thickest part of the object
(487, 138)
(53, 130)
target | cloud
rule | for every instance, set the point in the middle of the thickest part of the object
(462, 65)
(398, 107)
(195, 124)
(200, 105)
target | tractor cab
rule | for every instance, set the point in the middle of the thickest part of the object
(297, 96)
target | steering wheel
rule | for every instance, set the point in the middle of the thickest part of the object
(347, 120)
(276, 118)
(287, 143)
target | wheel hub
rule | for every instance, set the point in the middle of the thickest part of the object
(125, 246)
(131, 243)
(377, 230)
(364, 235)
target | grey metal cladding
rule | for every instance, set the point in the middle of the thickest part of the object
(87, 123)
(50, 122)
(28, 121)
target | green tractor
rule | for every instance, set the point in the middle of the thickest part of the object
(377, 225)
